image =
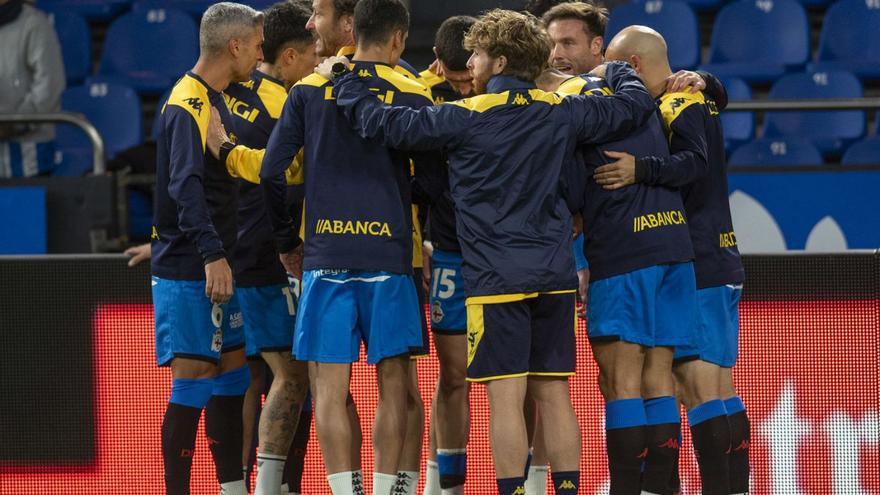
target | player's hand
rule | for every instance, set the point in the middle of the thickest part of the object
(436, 67)
(216, 133)
(599, 70)
(139, 253)
(325, 68)
(685, 80)
(616, 174)
(218, 281)
(583, 294)
(293, 261)
(577, 225)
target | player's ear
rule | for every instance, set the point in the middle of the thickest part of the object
(233, 45)
(347, 23)
(636, 62)
(499, 64)
(596, 45)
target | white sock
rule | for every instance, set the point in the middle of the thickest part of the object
(270, 470)
(456, 490)
(432, 479)
(233, 488)
(285, 489)
(383, 483)
(407, 482)
(341, 483)
(536, 483)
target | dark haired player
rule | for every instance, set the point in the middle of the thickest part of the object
(449, 80)
(267, 299)
(698, 168)
(357, 284)
(198, 325)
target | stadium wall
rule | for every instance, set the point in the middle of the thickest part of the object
(82, 399)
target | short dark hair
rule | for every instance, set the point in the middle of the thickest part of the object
(375, 21)
(449, 41)
(594, 17)
(344, 7)
(283, 23)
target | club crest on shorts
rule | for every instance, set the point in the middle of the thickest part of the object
(436, 312)
(217, 341)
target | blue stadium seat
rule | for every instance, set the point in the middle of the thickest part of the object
(739, 127)
(850, 39)
(674, 19)
(113, 109)
(193, 7)
(829, 131)
(790, 151)
(76, 44)
(865, 152)
(150, 49)
(95, 10)
(759, 40)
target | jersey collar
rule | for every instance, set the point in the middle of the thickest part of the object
(346, 51)
(502, 83)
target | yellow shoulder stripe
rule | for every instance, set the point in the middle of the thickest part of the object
(673, 104)
(545, 97)
(316, 80)
(572, 86)
(190, 95)
(401, 82)
(273, 96)
(482, 103)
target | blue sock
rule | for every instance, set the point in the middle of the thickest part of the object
(511, 486)
(625, 413)
(734, 405)
(706, 411)
(662, 410)
(452, 466)
(191, 392)
(233, 382)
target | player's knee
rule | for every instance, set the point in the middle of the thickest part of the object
(192, 369)
(452, 381)
(618, 384)
(657, 383)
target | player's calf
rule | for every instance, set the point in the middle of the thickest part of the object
(663, 427)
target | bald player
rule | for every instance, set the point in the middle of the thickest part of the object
(697, 167)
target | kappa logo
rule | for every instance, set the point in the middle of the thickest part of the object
(566, 485)
(196, 103)
(154, 234)
(520, 100)
(519, 491)
(670, 443)
(364, 73)
(676, 103)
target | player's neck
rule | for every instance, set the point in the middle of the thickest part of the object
(271, 70)
(374, 53)
(215, 75)
(655, 80)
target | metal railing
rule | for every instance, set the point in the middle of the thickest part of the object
(98, 166)
(804, 105)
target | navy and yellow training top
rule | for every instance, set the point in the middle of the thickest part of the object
(255, 106)
(441, 215)
(698, 167)
(358, 204)
(637, 226)
(194, 210)
(507, 153)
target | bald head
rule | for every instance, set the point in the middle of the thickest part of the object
(638, 41)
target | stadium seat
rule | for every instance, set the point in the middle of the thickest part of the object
(76, 44)
(759, 40)
(865, 152)
(113, 109)
(674, 19)
(193, 7)
(94, 10)
(739, 127)
(791, 151)
(850, 39)
(150, 49)
(829, 131)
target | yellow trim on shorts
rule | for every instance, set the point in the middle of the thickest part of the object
(476, 327)
(551, 373)
(497, 377)
(506, 298)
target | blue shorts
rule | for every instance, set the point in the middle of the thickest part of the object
(189, 325)
(448, 313)
(269, 317)
(654, 306)
(340, 308)
(513, 335)
(717, 334)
